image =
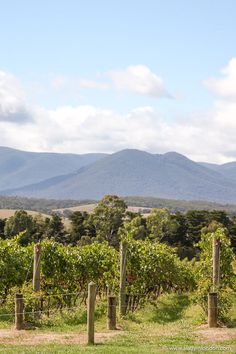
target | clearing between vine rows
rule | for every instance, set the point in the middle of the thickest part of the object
(172, 323)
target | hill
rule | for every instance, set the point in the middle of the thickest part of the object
(136, 203)
(21, 168)
(227, 169)
(7, 213)
(39, 205)
(133, 173)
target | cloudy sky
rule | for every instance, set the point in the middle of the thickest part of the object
(104, 75)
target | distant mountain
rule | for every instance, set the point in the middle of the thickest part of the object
(21, 168)
(227, 169)
(133, 173)
(211, 166)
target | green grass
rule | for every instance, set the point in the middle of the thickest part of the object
(159, 327)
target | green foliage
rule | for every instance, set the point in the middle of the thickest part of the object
(2, 226)
(72, 268)
(40, 205)
(204, 269)
(90, 252)
(15, 262)
(154, 268)
(54, 228)
(107, 218)
(20, 221)
(158, 223)
(77, 230)
(135, 226)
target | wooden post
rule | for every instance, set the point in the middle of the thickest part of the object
(19, 308)
(36, 270)
(122, 299)
(216, 262)
(111, 312)
(212, 310)
(36, 277)
(91, 312)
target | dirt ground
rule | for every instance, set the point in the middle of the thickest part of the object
(219, 334)
(33, 337)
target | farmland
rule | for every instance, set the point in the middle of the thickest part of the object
(7, 213)
(167, 273)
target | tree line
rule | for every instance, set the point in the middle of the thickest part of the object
(111, 219)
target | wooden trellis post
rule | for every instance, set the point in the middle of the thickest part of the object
(122, 298)
(212, 297)
(36, 269)
(91, 312)
(216, 262)
(111, 312)
(19, 308)
(212, 310)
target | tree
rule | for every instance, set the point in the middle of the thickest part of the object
(220, 216)
(196, 220)
(77, 229)
(20, 221)
(159, 224)
(40, 227)
(55, 228)
(136, 227)
(107, 218)
(2, 225)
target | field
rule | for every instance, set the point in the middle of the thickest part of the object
(7, 213)
(90, 207)
(172, 323)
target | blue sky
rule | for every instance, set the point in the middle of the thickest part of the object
(58, 51)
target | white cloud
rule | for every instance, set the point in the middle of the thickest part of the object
(135, 78)
(225, 86)
(139, 79)
(84, 129)
(205, 136)
(12, 101)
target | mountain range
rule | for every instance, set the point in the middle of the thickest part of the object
(21, 168)
(127, 172)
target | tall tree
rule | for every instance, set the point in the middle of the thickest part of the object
(21, 221)
(55, 228)
(159, 224)
(107, 218)
(77, 229)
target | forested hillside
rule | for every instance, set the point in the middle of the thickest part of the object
(20, 168)
(125, 173)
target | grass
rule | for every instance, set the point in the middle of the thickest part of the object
(7, 213)
(160, 327)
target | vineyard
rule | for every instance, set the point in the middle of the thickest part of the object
(152, 268)
(136, 272)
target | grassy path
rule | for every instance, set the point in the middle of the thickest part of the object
(170, 325)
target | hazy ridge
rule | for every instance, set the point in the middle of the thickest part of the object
(126, 173)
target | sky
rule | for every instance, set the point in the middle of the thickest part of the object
(82, 76)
